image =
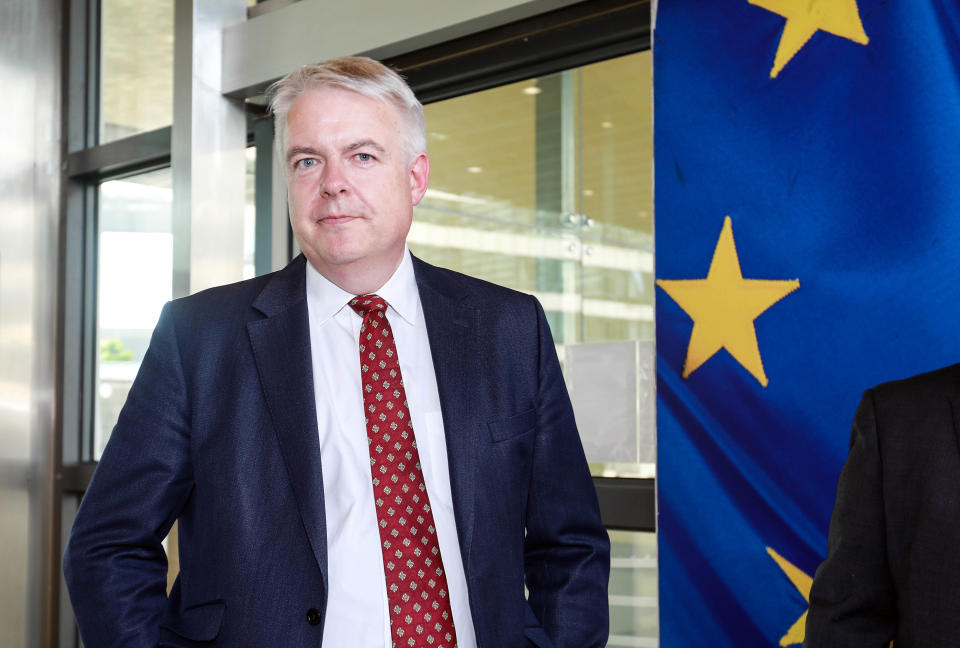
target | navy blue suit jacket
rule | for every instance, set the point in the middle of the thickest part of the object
(220, 432)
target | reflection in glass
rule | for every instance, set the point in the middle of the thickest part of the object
(136, 71)
(545, 186)
(633, 590)
(250, 216)
(134, 281)
(613, 383)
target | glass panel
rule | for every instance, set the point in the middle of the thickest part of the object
(614, 383)
(491, 214)
(545, 186)
(136, 92)
(615, 193)
(616, 199)
(250, 216)
(633, 590)
(135, 279)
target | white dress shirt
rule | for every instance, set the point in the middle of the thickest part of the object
(357, 611)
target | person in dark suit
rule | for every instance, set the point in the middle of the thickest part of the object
(892, 571)
(362, 449)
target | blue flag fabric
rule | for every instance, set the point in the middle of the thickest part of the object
(838, 268)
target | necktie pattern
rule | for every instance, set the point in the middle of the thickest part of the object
(417, 593)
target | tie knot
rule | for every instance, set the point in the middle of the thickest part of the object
(364, 304)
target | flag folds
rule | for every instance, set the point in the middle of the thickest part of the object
(807, 173)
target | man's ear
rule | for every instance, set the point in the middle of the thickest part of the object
(419, 175)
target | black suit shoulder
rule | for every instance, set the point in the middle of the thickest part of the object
(893, 533)
(932, 383)
(914, 401)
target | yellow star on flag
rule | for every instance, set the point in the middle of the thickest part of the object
(802, 582)
(723, 307)
(806, 17)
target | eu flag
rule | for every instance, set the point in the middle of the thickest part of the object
(808, 247)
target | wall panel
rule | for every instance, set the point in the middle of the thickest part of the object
(29, 205)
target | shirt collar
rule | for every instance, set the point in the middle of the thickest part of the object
(400, 292)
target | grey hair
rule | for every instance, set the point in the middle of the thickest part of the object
(359, 74)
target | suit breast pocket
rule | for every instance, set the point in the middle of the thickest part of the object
(510, 451)
(512, 426)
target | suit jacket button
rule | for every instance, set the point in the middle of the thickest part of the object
(313, 616)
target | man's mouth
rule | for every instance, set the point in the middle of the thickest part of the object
(335, 219)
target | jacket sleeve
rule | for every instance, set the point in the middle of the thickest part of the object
(567, 552)
(852, 600)
(114, 564)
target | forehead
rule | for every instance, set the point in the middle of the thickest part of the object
(335, 112)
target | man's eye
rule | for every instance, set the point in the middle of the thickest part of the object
(305, 163)
(363, 157)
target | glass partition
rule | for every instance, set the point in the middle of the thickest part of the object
(545, 186)
(634, 619)
(134, 281)
(250, 216)
(136, 67)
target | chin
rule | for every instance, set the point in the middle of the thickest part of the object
(341, 257)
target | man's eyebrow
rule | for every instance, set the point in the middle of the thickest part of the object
(366, 143)
(301, 150)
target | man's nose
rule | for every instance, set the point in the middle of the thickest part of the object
(334, 180)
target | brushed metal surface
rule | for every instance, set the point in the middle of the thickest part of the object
(29, 203)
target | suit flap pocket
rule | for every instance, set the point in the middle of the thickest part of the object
(513, 425)
(534, 632)
(198, 622)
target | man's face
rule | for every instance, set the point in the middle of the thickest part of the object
(350, 185)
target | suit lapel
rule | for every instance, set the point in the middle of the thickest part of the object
(453, 329)
(281, 349)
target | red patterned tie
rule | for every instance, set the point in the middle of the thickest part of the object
(417, 592)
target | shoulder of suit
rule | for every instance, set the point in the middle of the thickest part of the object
(460, 285)
(218, 296)
(920, 388)
(232, 301)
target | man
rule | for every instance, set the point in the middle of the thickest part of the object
(893, 563)
(284, 422)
